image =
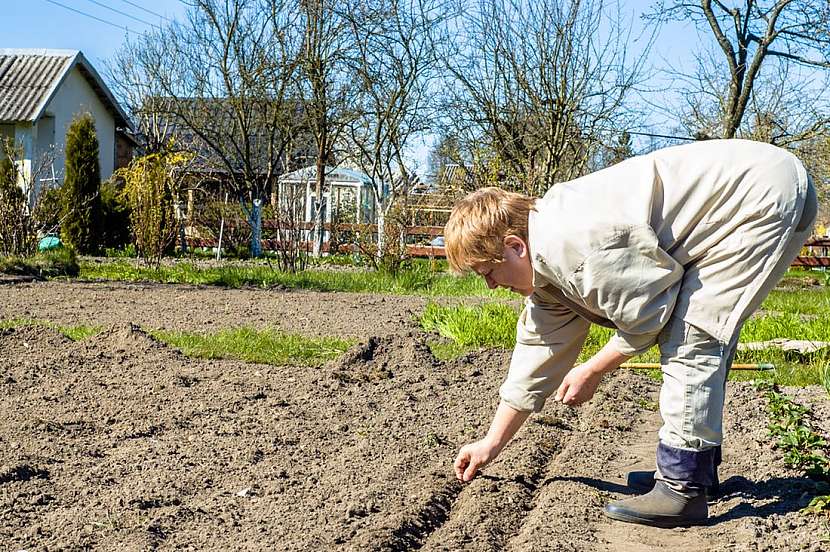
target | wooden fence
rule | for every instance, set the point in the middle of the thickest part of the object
(816, 252)
(421, 247)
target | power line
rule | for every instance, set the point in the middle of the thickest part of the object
(134, 18)
(117, 26)
(650, 135)
(151, 12)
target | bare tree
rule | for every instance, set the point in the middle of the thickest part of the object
(538, 84)
(394, 69)
(22, 193)
(753, 37)
(324, 88)
(219, 85)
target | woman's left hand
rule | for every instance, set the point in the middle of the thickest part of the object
(579, 385)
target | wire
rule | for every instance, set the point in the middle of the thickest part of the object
(151, 12)
(650, 135)
(117, 26)
(134, 18)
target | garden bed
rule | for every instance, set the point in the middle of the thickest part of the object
(119, 441)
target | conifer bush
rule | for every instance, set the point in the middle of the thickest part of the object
(81, 210)
(115, 216)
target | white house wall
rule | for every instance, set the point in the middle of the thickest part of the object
(75, 96)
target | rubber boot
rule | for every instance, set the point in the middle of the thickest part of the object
(662, 507)
(643, 481)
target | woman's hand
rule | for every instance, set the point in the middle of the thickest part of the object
(473, 457)
(579, 385)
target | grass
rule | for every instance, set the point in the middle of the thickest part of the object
(421, 279)
(267, 346)
(75, 333)
(247, 344)
(797, 314)
(45, 264)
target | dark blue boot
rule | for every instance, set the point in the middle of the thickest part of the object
(643, 481)
(678, 498)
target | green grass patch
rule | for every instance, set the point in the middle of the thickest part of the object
(806, 302)
(45, 264)
(75, 333)
(493, 325)
(790, 368)
(488, 325)
(260, 346)
(421, 279)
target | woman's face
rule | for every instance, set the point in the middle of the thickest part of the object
(514, 272)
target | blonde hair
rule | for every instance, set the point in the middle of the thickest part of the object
(479, 223)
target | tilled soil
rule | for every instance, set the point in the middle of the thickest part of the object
(118, 442)
(209, 308)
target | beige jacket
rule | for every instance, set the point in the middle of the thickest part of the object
(686, 231)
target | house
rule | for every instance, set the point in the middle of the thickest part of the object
(229, 151)
(348, 193)
(41, 91)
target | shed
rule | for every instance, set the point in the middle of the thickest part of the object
(346, 189)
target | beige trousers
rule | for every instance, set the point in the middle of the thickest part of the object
(695, 364)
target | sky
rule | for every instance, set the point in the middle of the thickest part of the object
(103, 26)
(53, 24)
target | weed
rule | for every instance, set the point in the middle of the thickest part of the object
(819, 505)
(109, 523)
(646, 404)
(804, 449)
(431, 440)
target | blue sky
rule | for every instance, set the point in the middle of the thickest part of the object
(46, 24)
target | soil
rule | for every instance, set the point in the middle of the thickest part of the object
(119, 442)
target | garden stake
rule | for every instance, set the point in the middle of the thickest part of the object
(644, 365)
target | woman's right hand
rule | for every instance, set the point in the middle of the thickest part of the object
(473, 457)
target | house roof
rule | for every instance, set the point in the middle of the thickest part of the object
(339, 174)
(30, 78)
(219, 128)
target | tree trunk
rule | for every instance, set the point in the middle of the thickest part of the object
(381, 233)
(255, 221)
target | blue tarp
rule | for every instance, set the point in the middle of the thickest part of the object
(49, 242)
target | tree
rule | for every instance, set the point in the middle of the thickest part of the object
(81, 213)
(12, 211)
(324, 90)
(619, 151)
(220, 86)
(149, 187)
(535, 87)
(754, 37)
(26, 208)
(394, 69)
